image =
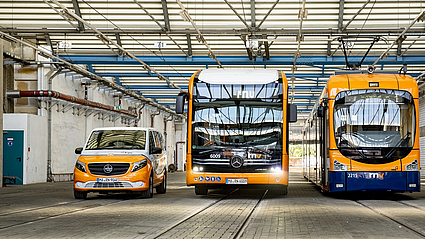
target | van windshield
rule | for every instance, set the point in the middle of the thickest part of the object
(117, 139)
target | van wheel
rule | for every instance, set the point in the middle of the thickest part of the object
(200, 190)
(149, 193)
(80, 195)
(282, 190)
(162, 188)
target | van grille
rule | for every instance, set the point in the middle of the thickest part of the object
(109, 185)
(117, 168)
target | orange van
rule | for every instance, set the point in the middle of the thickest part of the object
(121, 159)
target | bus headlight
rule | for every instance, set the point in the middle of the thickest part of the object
(139, 165)
(81, 166)
(413, 166)
(275, 169)
(339, 166)
(197, 169)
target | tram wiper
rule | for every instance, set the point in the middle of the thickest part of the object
(353, 147)
(400, 142)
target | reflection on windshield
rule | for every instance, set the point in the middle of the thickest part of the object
(117, 139)
(374, 123)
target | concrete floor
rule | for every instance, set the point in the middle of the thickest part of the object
(48, 210)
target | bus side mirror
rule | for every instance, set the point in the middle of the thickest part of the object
(181, 98)
(78, 150)
(292, 113)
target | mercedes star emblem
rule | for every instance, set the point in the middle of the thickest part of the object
(107, 168)
(236, 161)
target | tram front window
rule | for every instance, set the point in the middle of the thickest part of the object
(374, 126)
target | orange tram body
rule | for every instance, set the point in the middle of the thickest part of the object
(362, 134)
(237, 129)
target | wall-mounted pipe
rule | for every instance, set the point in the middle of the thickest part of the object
(69, 98)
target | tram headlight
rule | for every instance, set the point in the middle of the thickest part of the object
(338, 166)
(413, 166)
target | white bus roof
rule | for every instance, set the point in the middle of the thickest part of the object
(123, 128)
(238, 77)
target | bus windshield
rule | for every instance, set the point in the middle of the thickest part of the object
(237, 125)
(117, 139)
(374, 125)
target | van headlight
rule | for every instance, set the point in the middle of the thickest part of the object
(81, 166)
(413, 166)
(339, 166)
(139, 165)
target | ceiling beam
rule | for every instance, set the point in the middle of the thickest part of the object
(419, 31)
(253, 24)
(305, 60)
(189, 45)
(118, 39)
(78, 12)
(341, 15)
(166, 17)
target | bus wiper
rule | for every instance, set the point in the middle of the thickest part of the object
(353, 147)
(262, 151)
(400, 142)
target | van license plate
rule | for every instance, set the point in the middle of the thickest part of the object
(236, 181)
(108, 180)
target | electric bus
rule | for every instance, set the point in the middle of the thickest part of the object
(362, 134)
(237, 129)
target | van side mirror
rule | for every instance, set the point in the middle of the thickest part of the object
(292, 113)
(156, 150)
(180, 101)
(78, 150)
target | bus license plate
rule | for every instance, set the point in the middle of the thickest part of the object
(107, 180)
(236, 181)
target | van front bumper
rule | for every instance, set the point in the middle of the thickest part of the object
(102, 186)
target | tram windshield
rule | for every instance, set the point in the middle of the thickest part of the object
(237, 121)
(374, 125)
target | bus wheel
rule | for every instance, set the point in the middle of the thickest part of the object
(162, 187)
(200, 190)
(149, 193)
(282, 190)
(80, 195)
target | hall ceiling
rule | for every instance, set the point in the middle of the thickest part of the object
(198, 34)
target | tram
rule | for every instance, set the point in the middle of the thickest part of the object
(362, 134)
(237, 129)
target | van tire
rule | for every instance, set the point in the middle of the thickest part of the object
(162, 187)
(80, 195)
(149, 193)
(201, 190)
